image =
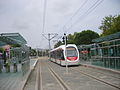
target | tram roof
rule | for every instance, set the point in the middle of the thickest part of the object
(11, 39)
(107, 38)
(62, 47)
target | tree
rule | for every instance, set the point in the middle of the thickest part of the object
(110, 25)
(85, 37)
(58, 44)
(70, 39)
(1, 50)
(16, 45)
(33, 52)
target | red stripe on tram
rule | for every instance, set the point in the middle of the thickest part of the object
(72, 58)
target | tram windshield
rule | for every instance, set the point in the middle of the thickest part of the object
(71, 52)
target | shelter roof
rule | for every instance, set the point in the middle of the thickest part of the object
(84, 46)
(107, 38)
(11, 39)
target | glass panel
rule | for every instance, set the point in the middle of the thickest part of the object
(118, 51)
(117, 42)
(112, 43)
(105, 51)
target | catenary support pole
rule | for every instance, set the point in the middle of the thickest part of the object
(49, 38)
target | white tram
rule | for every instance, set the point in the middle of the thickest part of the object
(70, 58)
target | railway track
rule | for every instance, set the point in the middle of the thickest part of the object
(55, 78)
(60, 81)
(50, 76)
(39, 78)
(89, 74)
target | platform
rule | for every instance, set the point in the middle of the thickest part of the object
(15, 81)
(88, 64)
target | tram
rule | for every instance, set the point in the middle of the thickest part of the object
(65, 55)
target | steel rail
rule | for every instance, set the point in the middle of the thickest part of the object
(58, 78)
(39, 77)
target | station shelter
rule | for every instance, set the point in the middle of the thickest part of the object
(84, 52)
(105, 52)
(14, 53)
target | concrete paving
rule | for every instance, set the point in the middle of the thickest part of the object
(47, 81)
(88, 64)
(74, 80)
(77, 81)
(15, 81)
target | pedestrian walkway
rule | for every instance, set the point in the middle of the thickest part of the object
(88, 64)
(15, 81)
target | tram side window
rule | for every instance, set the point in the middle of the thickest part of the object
(53, 54)
(50, 54)
(62, 56)
(58, 54)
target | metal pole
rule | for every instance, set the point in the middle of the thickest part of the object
(42, 52)
(49, 43)
(50, 38)
(66, 54)
(37, 52)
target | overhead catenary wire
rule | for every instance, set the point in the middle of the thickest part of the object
(94, 6)
(89, 10)
(44, 15)
(76, 12)
(43, 6)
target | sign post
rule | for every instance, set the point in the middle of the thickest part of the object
(66, 53)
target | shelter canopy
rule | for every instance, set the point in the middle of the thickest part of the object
(11, 39)
(107, 38)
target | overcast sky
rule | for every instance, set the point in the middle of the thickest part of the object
(26, 17)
